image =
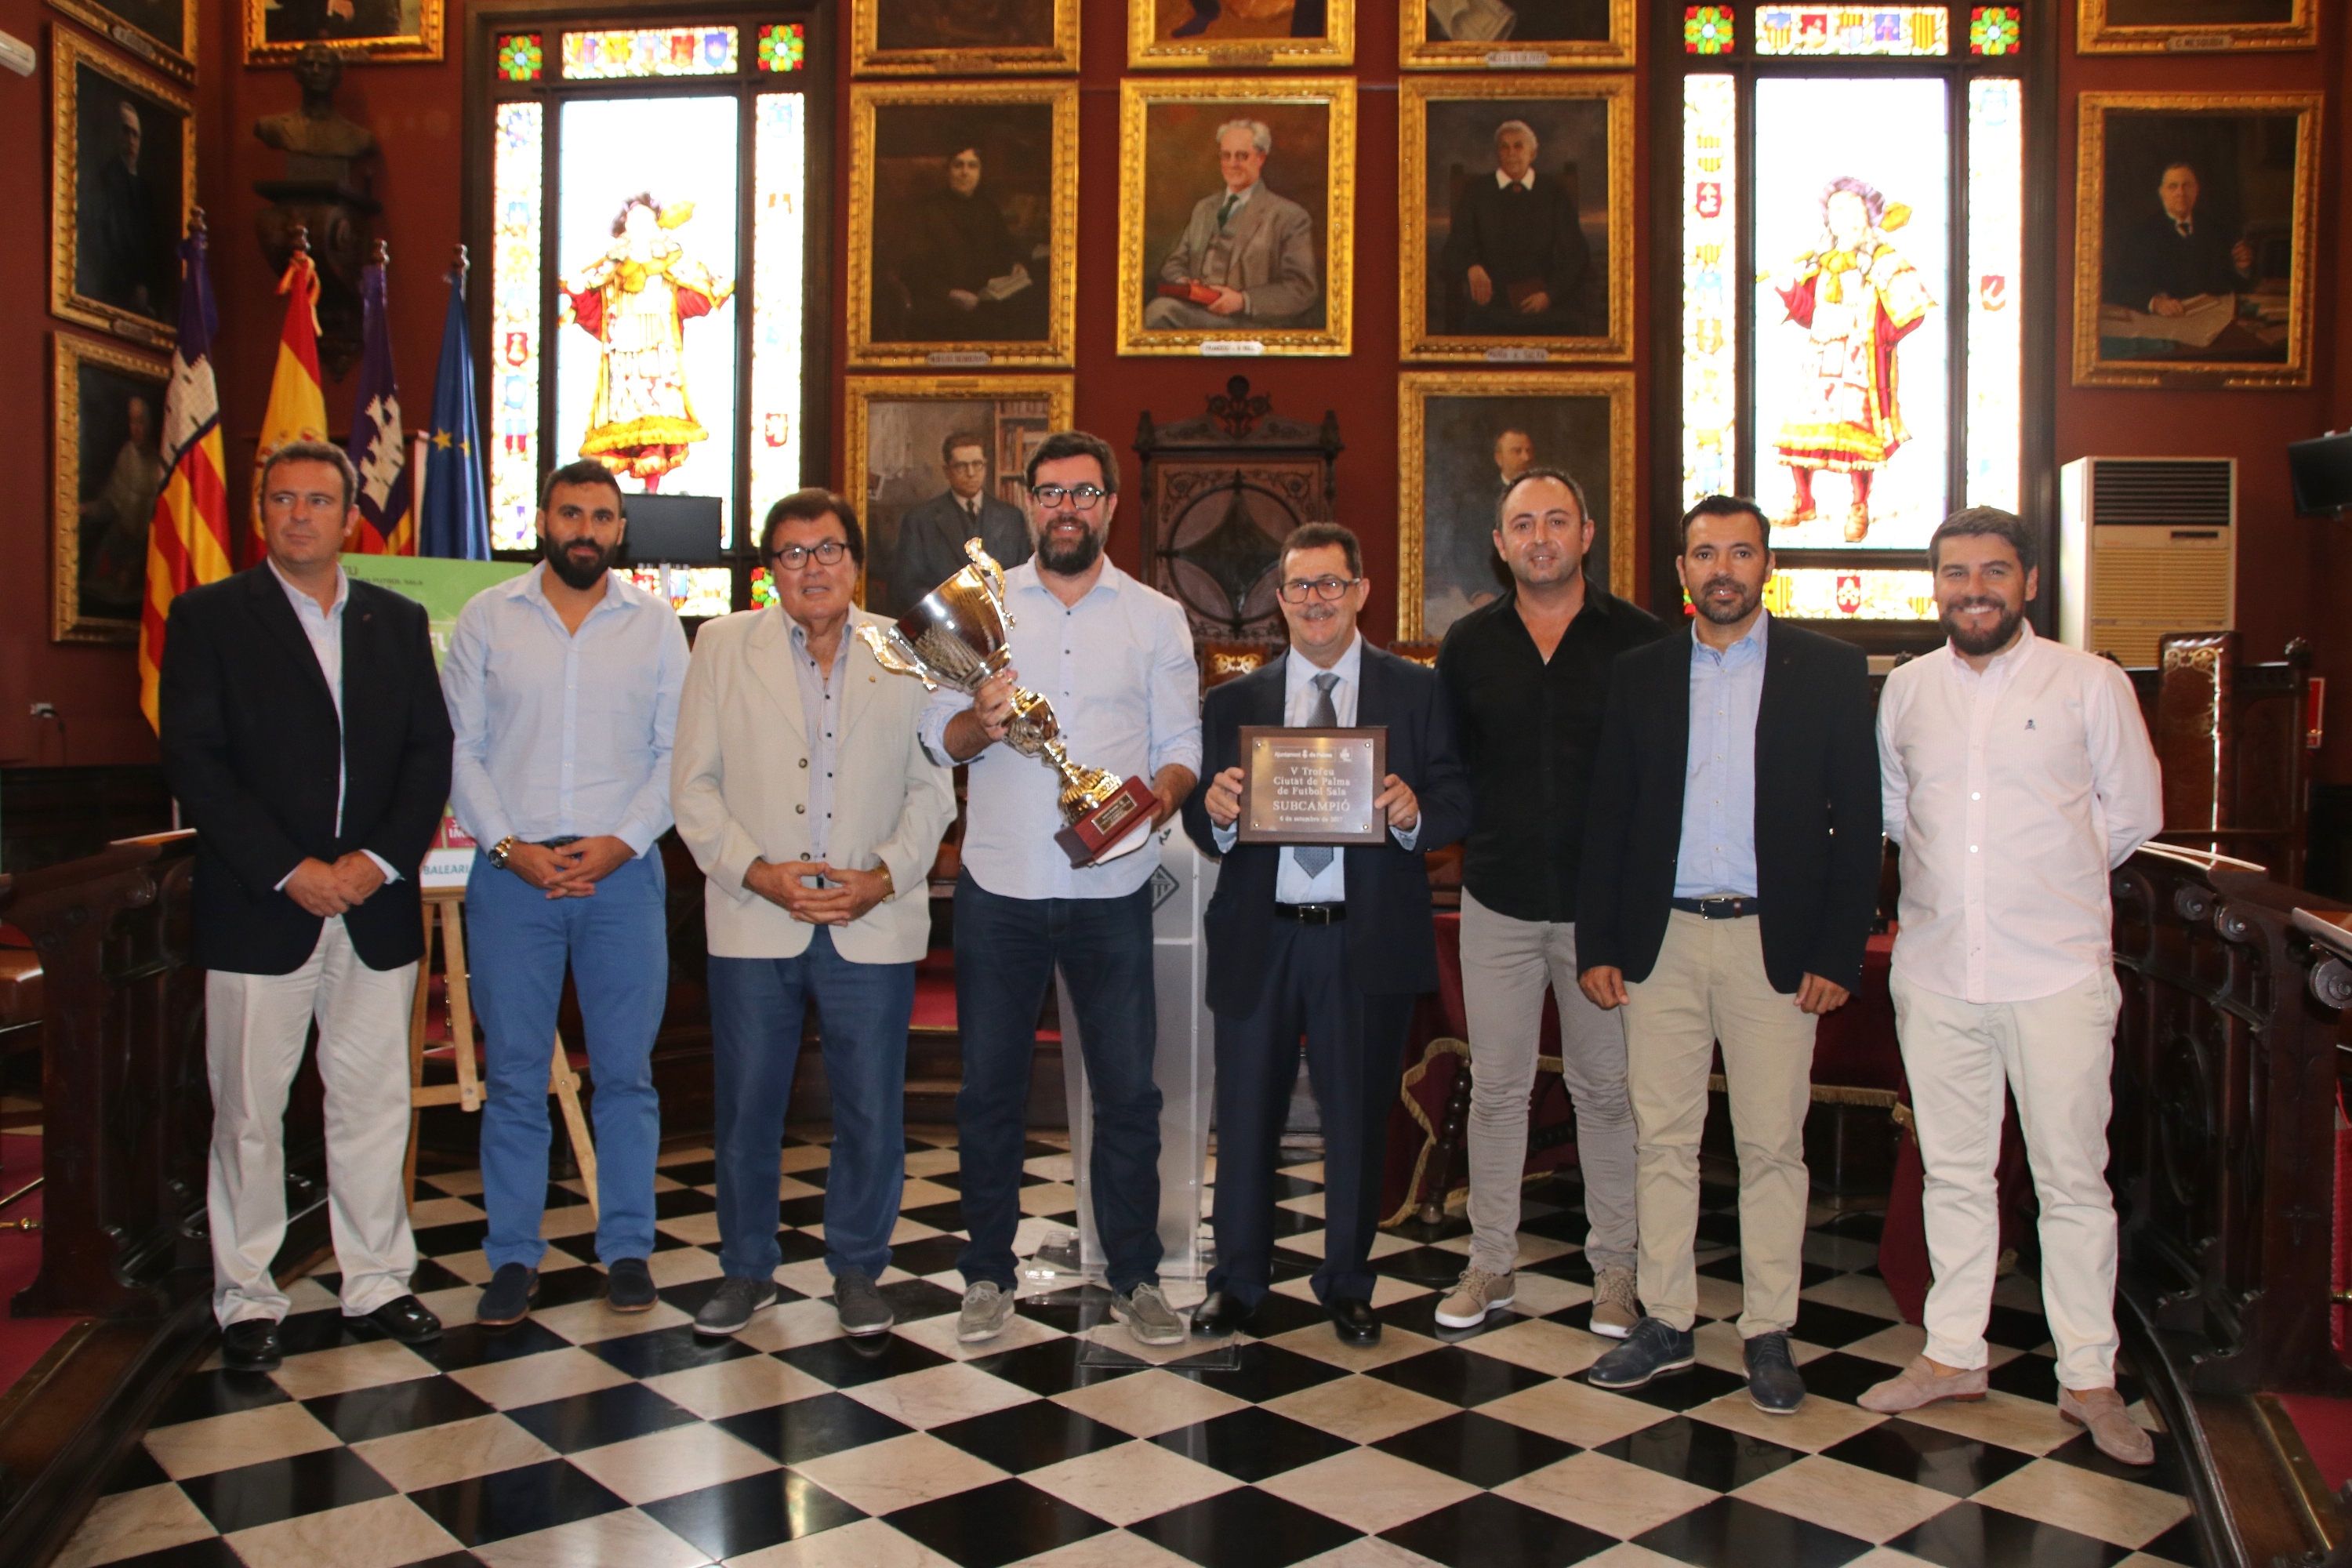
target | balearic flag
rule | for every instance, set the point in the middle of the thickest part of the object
(387, 515)
(455, 516)
(187, 543)
(298, 404)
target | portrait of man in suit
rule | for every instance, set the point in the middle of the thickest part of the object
(1514, 254)
(1246, 256)
(931, 535)
(2176, 254)
(932, 457)
(128, 168)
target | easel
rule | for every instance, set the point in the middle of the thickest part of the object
(446, 905)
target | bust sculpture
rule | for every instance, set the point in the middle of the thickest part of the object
(320, 144)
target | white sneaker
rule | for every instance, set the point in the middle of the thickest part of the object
(1476, 1294)
(986, 1306)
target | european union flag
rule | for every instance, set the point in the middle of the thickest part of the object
(456, 521)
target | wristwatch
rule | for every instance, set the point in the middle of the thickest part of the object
(498, 852)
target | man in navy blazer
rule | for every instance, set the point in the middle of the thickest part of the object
(1327, 942)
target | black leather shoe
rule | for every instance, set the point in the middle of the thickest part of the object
(1773, 1383)
(1220, 1315)
(252, 1344)
(1652, 1347)
(1353, 1320)
(628, 1288)
(407, 1320)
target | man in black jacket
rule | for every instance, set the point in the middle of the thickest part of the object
(931, 533)
(1311, 939)
(1731, 858)
(1516, 246)
(304, 735)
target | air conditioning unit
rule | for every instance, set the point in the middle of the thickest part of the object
(2145, 546)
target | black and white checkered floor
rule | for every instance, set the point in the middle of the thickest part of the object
(585, 1438)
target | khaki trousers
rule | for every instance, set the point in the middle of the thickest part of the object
(2055, 1054)
(255, 1026)
(1709, 988)
(1506, 965)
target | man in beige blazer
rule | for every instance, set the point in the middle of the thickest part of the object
(1247, 255)
(800, 786)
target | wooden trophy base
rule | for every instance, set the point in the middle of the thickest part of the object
(1110, 829)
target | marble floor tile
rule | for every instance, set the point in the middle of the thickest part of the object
(1359, 1408)
(591, 1323)
(1320, 1342)
(2028, 1426)
(245, 1438)
(900, 1472)
(364, 1365)
(2086, 1502)
(1817, 1424)
(535, 1379)
(1575, 1413)
(627, 1539)
(1553, 1349)
(451, 1452)
(1607, 1495)
(1146, 1404)
(133, 1523)
(868, 1544)
(664, 1464)
(1856, 1502)
(386, 1532)
(1368, 1489)
(1131, 1481)
(938, 1395)
(730, 1387)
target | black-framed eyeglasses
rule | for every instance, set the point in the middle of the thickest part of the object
(793, 557)
(1083, 497)
(1295, 591)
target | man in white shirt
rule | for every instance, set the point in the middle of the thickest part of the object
(2017, 775)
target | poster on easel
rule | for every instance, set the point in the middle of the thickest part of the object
(442, 587)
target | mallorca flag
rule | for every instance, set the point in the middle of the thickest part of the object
(456, 511)
(387, 519)
(187, 543)
(297, 405)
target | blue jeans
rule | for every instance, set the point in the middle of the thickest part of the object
(863, 1010)
(618, 946)
(1006, 951)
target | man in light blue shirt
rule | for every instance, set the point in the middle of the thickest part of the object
(1115, 658)
(563, 688)
(1717, 854)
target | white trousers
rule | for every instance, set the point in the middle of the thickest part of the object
(2055, 1052)
(255, 1026)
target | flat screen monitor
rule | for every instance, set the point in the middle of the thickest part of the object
(2321, 471)
(676, 531)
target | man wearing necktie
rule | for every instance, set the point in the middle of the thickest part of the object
(2179, 254)
(931, 533)
(1309, 941)
(1246, 257)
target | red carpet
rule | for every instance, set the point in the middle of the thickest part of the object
(2326, 1428)
(23, 1340)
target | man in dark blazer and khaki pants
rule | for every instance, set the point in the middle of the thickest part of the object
(1730, 871)
(304, 735)
(1327, 942)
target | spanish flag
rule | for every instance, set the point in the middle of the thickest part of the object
(298, 404)
(187, 543)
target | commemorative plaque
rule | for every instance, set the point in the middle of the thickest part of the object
(1312, 785)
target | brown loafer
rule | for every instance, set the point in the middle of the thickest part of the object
(1920, 1383)
(2119, 1436)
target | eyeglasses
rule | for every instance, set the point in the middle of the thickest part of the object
(1295, 591)
(793, 557)
(1083, 497)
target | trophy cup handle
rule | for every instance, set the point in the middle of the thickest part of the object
(992, 575)
(890, 652)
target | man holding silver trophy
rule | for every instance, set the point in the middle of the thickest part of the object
(1057, 859)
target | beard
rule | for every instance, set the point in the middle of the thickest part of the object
(1066, 561)
(1724, 614)
(1993, 638)
(576, 575)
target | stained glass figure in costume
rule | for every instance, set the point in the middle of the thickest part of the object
(636, 300)
(1856, 299)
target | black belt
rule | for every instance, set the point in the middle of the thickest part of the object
(1723, 907)
(558, 843)
(1312, 914)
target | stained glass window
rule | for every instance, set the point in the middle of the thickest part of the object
(782, 47)
(649, 51)
(1995, 30)
(779, 216)
(522, 56)
(1708, 29)
(1840, 593)
(1853, 30)
(692, 590)
(763, 587)
(1996, 215)
(1710, 258)
(516, 162)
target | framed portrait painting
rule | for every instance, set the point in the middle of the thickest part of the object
(161, 32)
(1236, 215)
(276, 31)
(935, 460)
(1516, 209)
(963, 205)
(1513, 35)
(106, 469)
(2193, 238)
(964, 37)
(1461, 436)
(2197, 27)
(123, 179)
(1224, 35)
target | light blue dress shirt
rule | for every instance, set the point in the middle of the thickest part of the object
(1117, 667)
(821, 714)
(1292, 884)
(324, 630)
(562, 733)
(1717, 854)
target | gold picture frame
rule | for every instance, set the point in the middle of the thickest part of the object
(1151, 46)
(888, 485)
(1416, 221)
(119, 25)
(895, 320)
(1416, 50)
(1423, 594)
(2133, 142)
(120, 274)
(406, 39)
(1155, 212)
(2097, 31)
(1054, 53)
(91, 389)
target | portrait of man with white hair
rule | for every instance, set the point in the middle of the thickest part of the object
(1246, 257)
